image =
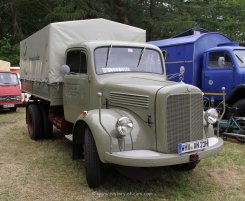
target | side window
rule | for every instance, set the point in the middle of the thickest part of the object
(76, 60)
(219, 60)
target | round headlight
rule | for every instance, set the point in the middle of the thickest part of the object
(124, 126)
(211, 115)
(18, 98)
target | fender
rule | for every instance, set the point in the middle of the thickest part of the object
(236, 94)
(106, 136)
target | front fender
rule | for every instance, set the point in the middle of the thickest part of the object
(236, 94)
(106, 136)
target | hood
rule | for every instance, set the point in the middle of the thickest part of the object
(10, 90)
(138, 93)
(135, 84)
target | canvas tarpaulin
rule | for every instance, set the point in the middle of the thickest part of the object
(42, 54)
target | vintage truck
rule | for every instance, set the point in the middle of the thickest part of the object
(10, 93)
(211, 61)
(98, 81)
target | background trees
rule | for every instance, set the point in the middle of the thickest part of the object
(161, 18)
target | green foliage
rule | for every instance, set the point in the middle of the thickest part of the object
(9, 52)
(161, 18)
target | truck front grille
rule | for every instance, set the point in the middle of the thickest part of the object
(184, 119)
(9, 98)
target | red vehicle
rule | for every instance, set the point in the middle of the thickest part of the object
(10, 94)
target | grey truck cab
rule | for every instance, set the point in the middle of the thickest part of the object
(101, 83)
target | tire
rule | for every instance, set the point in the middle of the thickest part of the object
(93, 165)
(13, 109)
(241, 107)
(242, 126)
(34, 122)
(47, 125)
(187, 166)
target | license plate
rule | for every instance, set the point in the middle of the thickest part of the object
(192, 146)
(8, 106)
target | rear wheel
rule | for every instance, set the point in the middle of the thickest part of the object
(47, 125)
(93, 165)
(241, 123)
(34, 122)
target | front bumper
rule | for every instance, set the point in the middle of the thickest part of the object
(148, 158)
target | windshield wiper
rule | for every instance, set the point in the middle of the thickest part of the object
(239, 58)
(141, 55)
(8, 83)
(108, 55)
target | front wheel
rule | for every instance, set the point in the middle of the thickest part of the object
(93, 165)
(13, 109)
(241, 123)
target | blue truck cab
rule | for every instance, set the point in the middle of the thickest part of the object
(211, 61)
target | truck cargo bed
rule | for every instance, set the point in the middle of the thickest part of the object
(49, 92)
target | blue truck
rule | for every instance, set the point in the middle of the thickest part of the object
(211, 61)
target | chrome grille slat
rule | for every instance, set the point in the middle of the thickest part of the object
(196, 117)
(129, 99)
(184, 119)
(7, 98)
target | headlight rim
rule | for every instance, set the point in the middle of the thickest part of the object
(211, 116)
(123, 122)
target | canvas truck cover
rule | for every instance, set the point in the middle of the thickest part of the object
(42, 54)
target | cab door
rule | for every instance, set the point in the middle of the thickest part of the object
(218, 72)
(76, 89)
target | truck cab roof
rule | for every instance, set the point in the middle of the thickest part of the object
(229, 48)
(183, 40)
(5, 71)
(96, 43)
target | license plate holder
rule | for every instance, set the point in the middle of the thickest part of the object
(192, 146)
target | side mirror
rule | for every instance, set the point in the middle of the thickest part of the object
(164, 53)
(64, 69)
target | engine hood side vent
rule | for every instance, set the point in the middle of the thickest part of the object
(133, 100)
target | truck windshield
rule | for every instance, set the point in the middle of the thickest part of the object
(8, 79)
(127, 59)
(240, 57)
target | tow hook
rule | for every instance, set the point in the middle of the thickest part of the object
(194, 158)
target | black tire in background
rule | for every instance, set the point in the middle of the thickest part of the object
(93, 165)
(241, 108)
(34, 122)
(47, 125)
(13, 109)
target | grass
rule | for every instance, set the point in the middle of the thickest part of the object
(44, 170)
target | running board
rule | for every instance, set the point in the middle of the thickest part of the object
(69, 137)
(234, 134)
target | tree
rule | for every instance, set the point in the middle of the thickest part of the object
(9, 52)
(160, 18)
